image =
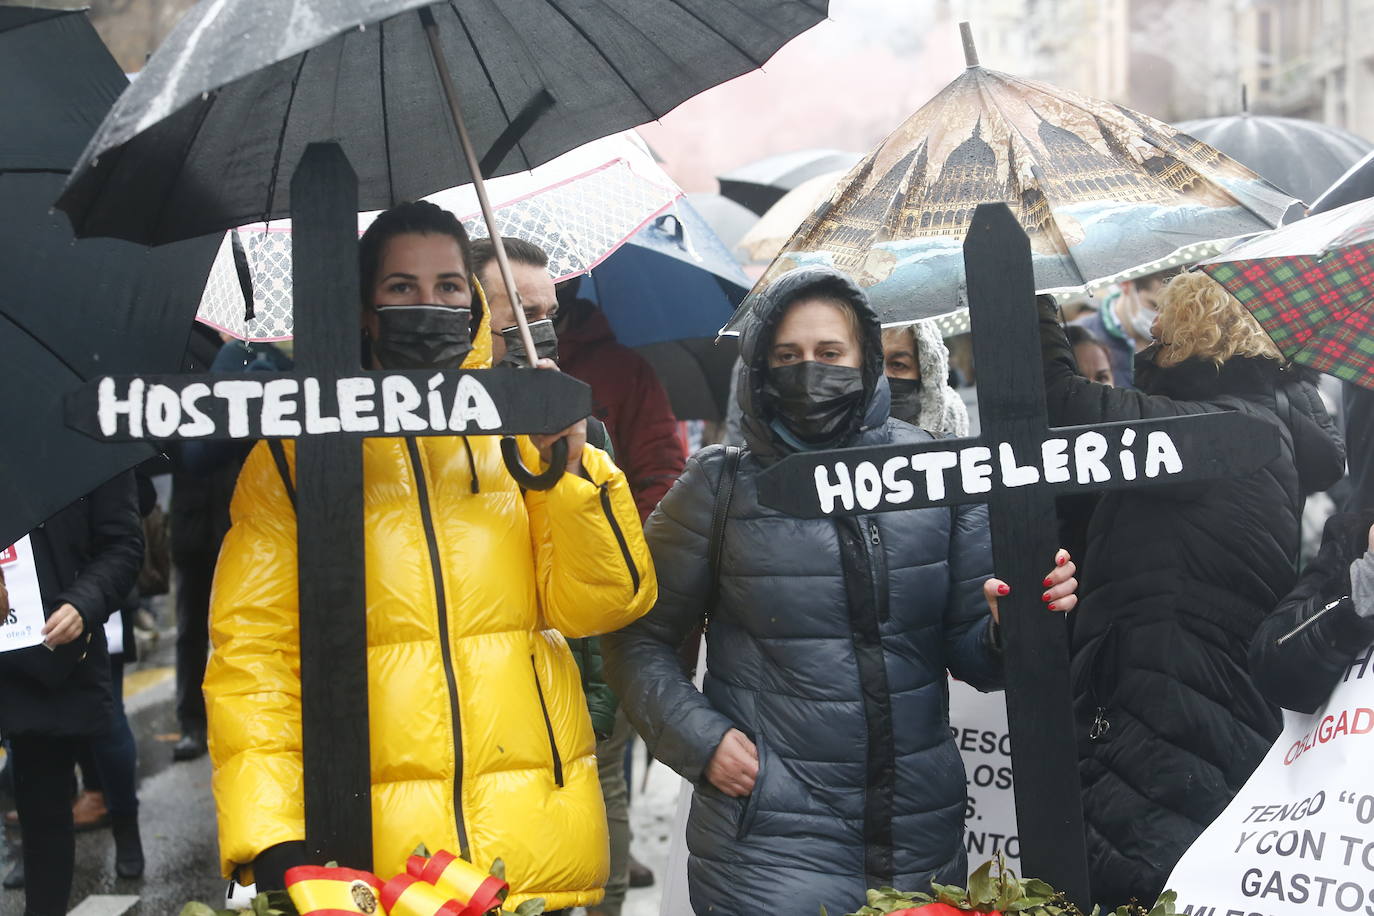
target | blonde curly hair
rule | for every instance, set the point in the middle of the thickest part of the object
(1199, 319)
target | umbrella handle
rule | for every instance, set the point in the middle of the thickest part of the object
(510, 453)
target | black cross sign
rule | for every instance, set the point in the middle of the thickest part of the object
(1017, 466)
(327, 405)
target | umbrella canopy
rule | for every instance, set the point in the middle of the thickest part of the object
(210, 133)
(1097, 187)
(71, 309)
(1311, 286)
(727, 219)
(579, 208)
(50, 108)
(760, 184)
(765, 240)
(1302, 157)
(665, 294)
(1356, 184)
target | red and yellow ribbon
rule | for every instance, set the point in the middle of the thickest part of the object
(442, 885)
(318, 891)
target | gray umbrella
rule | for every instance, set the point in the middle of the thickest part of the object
(1356, 184)
(1302, 157)
(209, 134)
(760, 184)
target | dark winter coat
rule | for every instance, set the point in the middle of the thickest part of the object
(1300, 674)
(828, 647)
(1174, 583)
(628, 397)
(87, 555)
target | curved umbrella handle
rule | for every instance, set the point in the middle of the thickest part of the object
(510, 453)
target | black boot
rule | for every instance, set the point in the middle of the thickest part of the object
(190, 746)
(128, 847)
(14, 879)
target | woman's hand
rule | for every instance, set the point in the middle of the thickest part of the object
(1060, 586)
(735, 765)
(63, 626)
(575, 434)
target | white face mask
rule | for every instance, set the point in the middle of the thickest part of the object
(1143, 320)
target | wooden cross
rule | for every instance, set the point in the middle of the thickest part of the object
(1018, 466)
(328, 401)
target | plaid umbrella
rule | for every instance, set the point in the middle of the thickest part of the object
(1311, 287)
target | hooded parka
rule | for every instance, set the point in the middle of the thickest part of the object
(480, 738)
(1175, 581)
(828, 647)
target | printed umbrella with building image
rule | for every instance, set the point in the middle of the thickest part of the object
(1097, 187)
(1311, 287)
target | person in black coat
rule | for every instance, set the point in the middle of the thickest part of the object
(1304, 648)
(820, 749)
(1176, 581)
(54, 698)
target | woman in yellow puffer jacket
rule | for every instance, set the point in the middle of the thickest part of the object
(480, 737)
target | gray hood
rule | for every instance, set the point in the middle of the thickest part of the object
(754, 344)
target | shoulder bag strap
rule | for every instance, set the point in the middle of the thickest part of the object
(279, 456)
(724, 490)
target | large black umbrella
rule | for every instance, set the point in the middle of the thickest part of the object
(1356, 184)
(760, 184)
(1302, 157)
(210, 133)
(69, 309)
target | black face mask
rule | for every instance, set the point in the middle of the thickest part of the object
(906, 399)
(814, 401)
(422, 336)
(545, 344)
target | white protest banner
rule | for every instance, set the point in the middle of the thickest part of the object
(978, 722)
(1299, 836)
(22, 626)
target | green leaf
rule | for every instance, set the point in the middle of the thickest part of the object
(532, 907)
(498, 869)
(421, 850)
(196, 908)
(982, 889)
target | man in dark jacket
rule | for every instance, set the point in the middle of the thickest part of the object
(1176, 580)
(626, 394)
(827, 649)
(1303, 649)
(56, 697)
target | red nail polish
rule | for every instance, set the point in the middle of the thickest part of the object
(1061, 561)
(1003, 590)
(1053, 608)
(1048, 582)
(1045, 597)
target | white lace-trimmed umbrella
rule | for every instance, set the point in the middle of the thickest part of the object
(579, 208)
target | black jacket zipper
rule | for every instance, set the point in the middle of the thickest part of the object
(441, 606)
(548, 724)
(619, 536)
(879, 558)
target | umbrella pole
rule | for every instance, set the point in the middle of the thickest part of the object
(478, 183)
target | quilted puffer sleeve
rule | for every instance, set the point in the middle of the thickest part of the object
(252, 681)
(970, 650)
(593, 568)
(678, 723)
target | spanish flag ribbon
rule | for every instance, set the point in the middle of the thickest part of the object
(461, 880)
(318, 891)
(440, 885)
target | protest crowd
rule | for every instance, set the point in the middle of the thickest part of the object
(999, 495)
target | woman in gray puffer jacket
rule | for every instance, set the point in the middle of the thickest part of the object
(820, 749)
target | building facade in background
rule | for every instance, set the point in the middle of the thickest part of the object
(1182, 59)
